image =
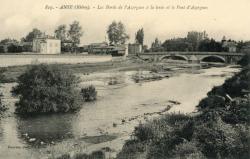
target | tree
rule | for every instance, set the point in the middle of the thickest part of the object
(210, 45)
(223, 39)
(139, 36)
(8, 41)
(46, 89)
(75, 33)
(240, 45)
(178, 44)
(33, 34)
(61, 33)
(117, 33)
(10, 45)
(156, 46)
(156, 43)
(245, 60)
(89, 93)
(195, 38)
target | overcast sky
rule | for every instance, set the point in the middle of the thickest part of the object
(223, 17)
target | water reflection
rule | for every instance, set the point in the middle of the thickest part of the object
(46, 129)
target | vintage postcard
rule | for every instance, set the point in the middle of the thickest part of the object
(124, 79)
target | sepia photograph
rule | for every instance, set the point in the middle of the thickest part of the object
(124, 79)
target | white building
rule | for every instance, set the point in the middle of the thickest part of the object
(46, 45)
(134, 49)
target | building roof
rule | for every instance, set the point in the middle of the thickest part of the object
(98, 44)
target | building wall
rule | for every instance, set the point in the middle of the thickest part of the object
(231, 49)
(43, 49)
(36, 45)
(53, 46)
(134, 48)
(47, 46)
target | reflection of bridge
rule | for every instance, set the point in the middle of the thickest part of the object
(224, 57)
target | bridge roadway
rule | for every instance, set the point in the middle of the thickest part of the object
(226, 57)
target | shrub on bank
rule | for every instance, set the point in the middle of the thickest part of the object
(234, 86)
(3, 78)
(93, 155)
(211, 102)
(2, 75)
(2, 106)
(46, 89)
(88, 93)
(245, 60)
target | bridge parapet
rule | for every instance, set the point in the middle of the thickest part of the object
(193, 53)
(225, 57)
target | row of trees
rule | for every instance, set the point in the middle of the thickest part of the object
(70, 39)
(10, 45)
(196, 41)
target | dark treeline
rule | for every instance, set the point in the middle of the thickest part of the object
(10, 46)
(199, 41)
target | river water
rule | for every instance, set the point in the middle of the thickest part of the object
(122, 104)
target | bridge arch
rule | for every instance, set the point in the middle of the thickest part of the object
(174, 57)
(213, 58)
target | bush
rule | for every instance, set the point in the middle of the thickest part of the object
(65, 156)
(46, 89)
(2, 75)
(234, 86)
(219, 140)
(143, 132)
(88, 93)
(3, 78)
(187, 150)
(2, 106)
(245, 60)
(12, 48)
(211, 102)
(239, 112)
(94, 155)
(131, 149)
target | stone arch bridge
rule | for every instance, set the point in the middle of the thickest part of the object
(224, 57)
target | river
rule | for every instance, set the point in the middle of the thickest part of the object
(121, 105)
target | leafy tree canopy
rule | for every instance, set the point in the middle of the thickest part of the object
(117, 33)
